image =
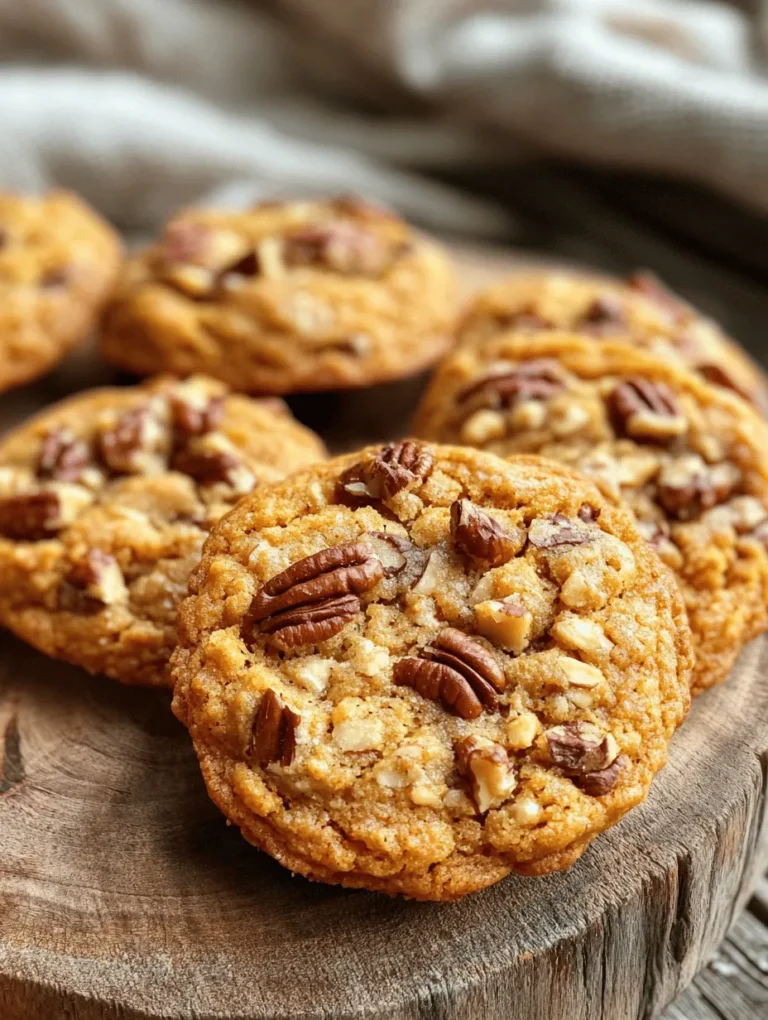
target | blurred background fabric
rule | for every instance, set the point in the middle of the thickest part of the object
(616, 131)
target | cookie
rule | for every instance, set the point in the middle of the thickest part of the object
(417, 668)
(286, 297)
(105, 502)
(689, 458)
(58, 264)
(639, 309)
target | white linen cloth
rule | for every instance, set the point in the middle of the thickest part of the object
(143, 105)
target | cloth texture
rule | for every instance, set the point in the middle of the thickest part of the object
(145, 105)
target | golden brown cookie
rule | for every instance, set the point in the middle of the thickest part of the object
(105, 502)
(640, 310)
(393, 681)
(58, 264)
(690, 459)
(286, 297)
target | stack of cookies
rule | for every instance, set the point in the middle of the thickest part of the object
(418, 667)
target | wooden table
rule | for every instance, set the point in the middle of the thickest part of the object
(734, 986)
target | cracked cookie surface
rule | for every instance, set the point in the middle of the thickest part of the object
(416, 669)
(58, 263)
(639, 310)
(689, 458)
(105, 502)
(285, 297)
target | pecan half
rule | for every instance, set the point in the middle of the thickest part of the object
(93, 581)
(602, 781)
(132, 443)
(341, 247)
(686, 487)
(606, 314)
(537, 379)
(646, 410)
(557, 529)
(488, 768)
(63, 457)
(273, 737)
(308, 625)
(477, 534)
(476, 664)
(437, 682)
(315, 598)
(455, 670)
(30, 517)
(580, 747)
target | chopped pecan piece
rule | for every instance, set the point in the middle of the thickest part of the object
(456, 670)
(651, 287)
(273, 737)
(193, 414)
(63, 457)
(132, 444)
(760, 533)
(527, 320)
(361, 208)
(56, 276)
(537, 379)
(588, 514)
(247, 265)
(720, 377)
(645, 410)
(686, 487)
(315, 598)
(477, 534)
(207, 466)
(580, 747)
(341, 247)
(597, 784)
(487, 765)
(393, 551)
(93, 581)
(186, 242)
(30, 517)
(396, 466)
(606, 314)
(557, 529)
(505, 623)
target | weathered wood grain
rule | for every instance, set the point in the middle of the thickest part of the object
(123, 895)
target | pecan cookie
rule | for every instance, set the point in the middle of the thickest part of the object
(285, 297)
(418, 668)
(105, 502)
(639, 309)
(689, 458)
(58, 264)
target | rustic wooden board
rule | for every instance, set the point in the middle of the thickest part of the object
(123, 895)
